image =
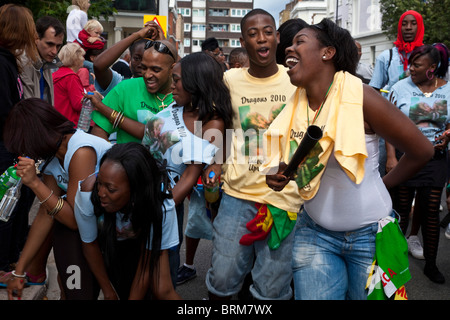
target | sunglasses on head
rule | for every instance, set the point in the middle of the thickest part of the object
(159, 46)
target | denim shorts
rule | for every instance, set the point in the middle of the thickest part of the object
(329, 265)
(231, 261)
(198, 225)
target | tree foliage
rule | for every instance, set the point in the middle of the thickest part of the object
(58, 8)
(435, 15)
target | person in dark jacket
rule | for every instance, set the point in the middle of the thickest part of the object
(15, 39)
(122, 65)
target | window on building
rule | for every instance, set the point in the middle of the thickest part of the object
(198, 27)
(133, 5)
(235, 28)
(197, 43)
(186, 12)
(239, 12)
(198, 12)
(235, 43)
(223, 42)
(219, 27)
(187, 42)
(218, 12)
(187, 27)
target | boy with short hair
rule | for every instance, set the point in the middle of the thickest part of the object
(258, 94)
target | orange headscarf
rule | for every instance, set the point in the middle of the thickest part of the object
(406, 47)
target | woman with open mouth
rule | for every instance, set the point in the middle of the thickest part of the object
(343, 193)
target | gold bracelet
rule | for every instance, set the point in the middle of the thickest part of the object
(121, 121)
(43, 201)
(57, 208)
(113, 116)
(118, 120)
(115, 120)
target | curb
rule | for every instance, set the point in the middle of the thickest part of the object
(29, 293)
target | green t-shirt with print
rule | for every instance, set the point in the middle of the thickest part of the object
(132, 98)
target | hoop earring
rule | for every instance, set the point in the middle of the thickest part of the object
(432, 75)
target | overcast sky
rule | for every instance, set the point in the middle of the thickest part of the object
(272, 6)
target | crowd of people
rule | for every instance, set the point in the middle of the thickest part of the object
(111, 200)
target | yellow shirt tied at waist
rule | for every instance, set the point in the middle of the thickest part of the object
(342, 122)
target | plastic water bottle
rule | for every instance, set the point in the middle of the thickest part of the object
(200, 184)
(8, 179)
(9, 201)
(212, 193)
(84, 123)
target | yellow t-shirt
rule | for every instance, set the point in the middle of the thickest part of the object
(342, 124)
(256, 102)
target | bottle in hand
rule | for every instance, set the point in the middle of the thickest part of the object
(9, 201)
(84, 122)
(212, 192)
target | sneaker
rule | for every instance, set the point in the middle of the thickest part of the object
(447, 231)
(185, 274)
(415, 247)
(432, 272)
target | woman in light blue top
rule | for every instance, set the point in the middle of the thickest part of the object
(189, 134)
(35, 129)
(424, 98)
(127, 222)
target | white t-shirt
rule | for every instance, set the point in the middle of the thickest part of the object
(75, 22)
(341, 205)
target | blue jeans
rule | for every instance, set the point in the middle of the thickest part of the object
(231, 261)
(331, 265)
(199, 225)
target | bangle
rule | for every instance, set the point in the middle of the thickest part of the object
(113, 116)
(115, 120)
(118, 120)
(121, 121)
(18, 275)
(43, 201)
(57, 208)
